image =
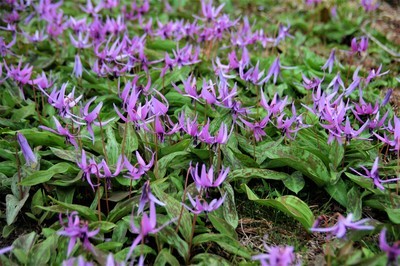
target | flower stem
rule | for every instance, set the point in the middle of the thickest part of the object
(183, 200)
(191, 238)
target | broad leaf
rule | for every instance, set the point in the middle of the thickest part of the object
(41, 177)
(174, 209)
(13, 206)
(225, 242)
(165, 257)
(290, 205)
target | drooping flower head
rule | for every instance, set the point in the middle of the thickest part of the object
(343, 224)
(30, 158)
(393, 252)
(276, 256)
(77, 229)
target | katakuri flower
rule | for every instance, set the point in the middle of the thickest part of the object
(77, 229)
(343, 224)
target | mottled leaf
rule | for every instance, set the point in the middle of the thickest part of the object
(290, 205)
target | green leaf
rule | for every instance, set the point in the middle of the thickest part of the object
(68, 155)
(336, 154)
(295, 182)
(301, 160)
(109, 246)
(41, 253)
(338, 192)
(122, 208)
(225, 242)
(23, 112)
(175, 76)
(37, 200)
(131, 139)
(291, 205)
(113, 148)
(394, 215)
(65, 180)
(246, 160)
(83, 211)
(207, 259)
(104, 226)
(247, 174)
(120, 231)
(40, 138)
(8, 168)
(170, 236)
(174, 209)
(165, 257)
(40, 177)
(354, 205)
(361, 181)
(260, 148)
(222, 226)
(180, 146)
(166, 160)
(7, 230)
(229, 206)
(13, 206)
(139, 250)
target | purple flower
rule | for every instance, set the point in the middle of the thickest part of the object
(19, 74)
(329, 63)
(343, 224)
(61, 102)
(369, 5)
(204, 135)
(375, 73)
(5, 250)
(90, 117)
(208, 93)
(374, 175)
(30, 158)
(206, 179)
(313, 2)
(359, 47)
(310, 84)
(147, 226)
(82, 42)
(77, 229)
(137, 170)
(201, 205)
(38, 36)
(349, 133)
(5, 48)
(90, 9)
(336, 83)
(393, 252)
(209, 12)
(283, 32)
(88, 168)
(253, 74)
(276, 106)
(274, 70)
(79, 261)
(257, 127)
(77, 71)
(69, 138)
(276, 256)
(190, 88)
(290, 125)
(147, 197)
(78, 26)
(42, 81)
(395, 132)
(189, 126)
